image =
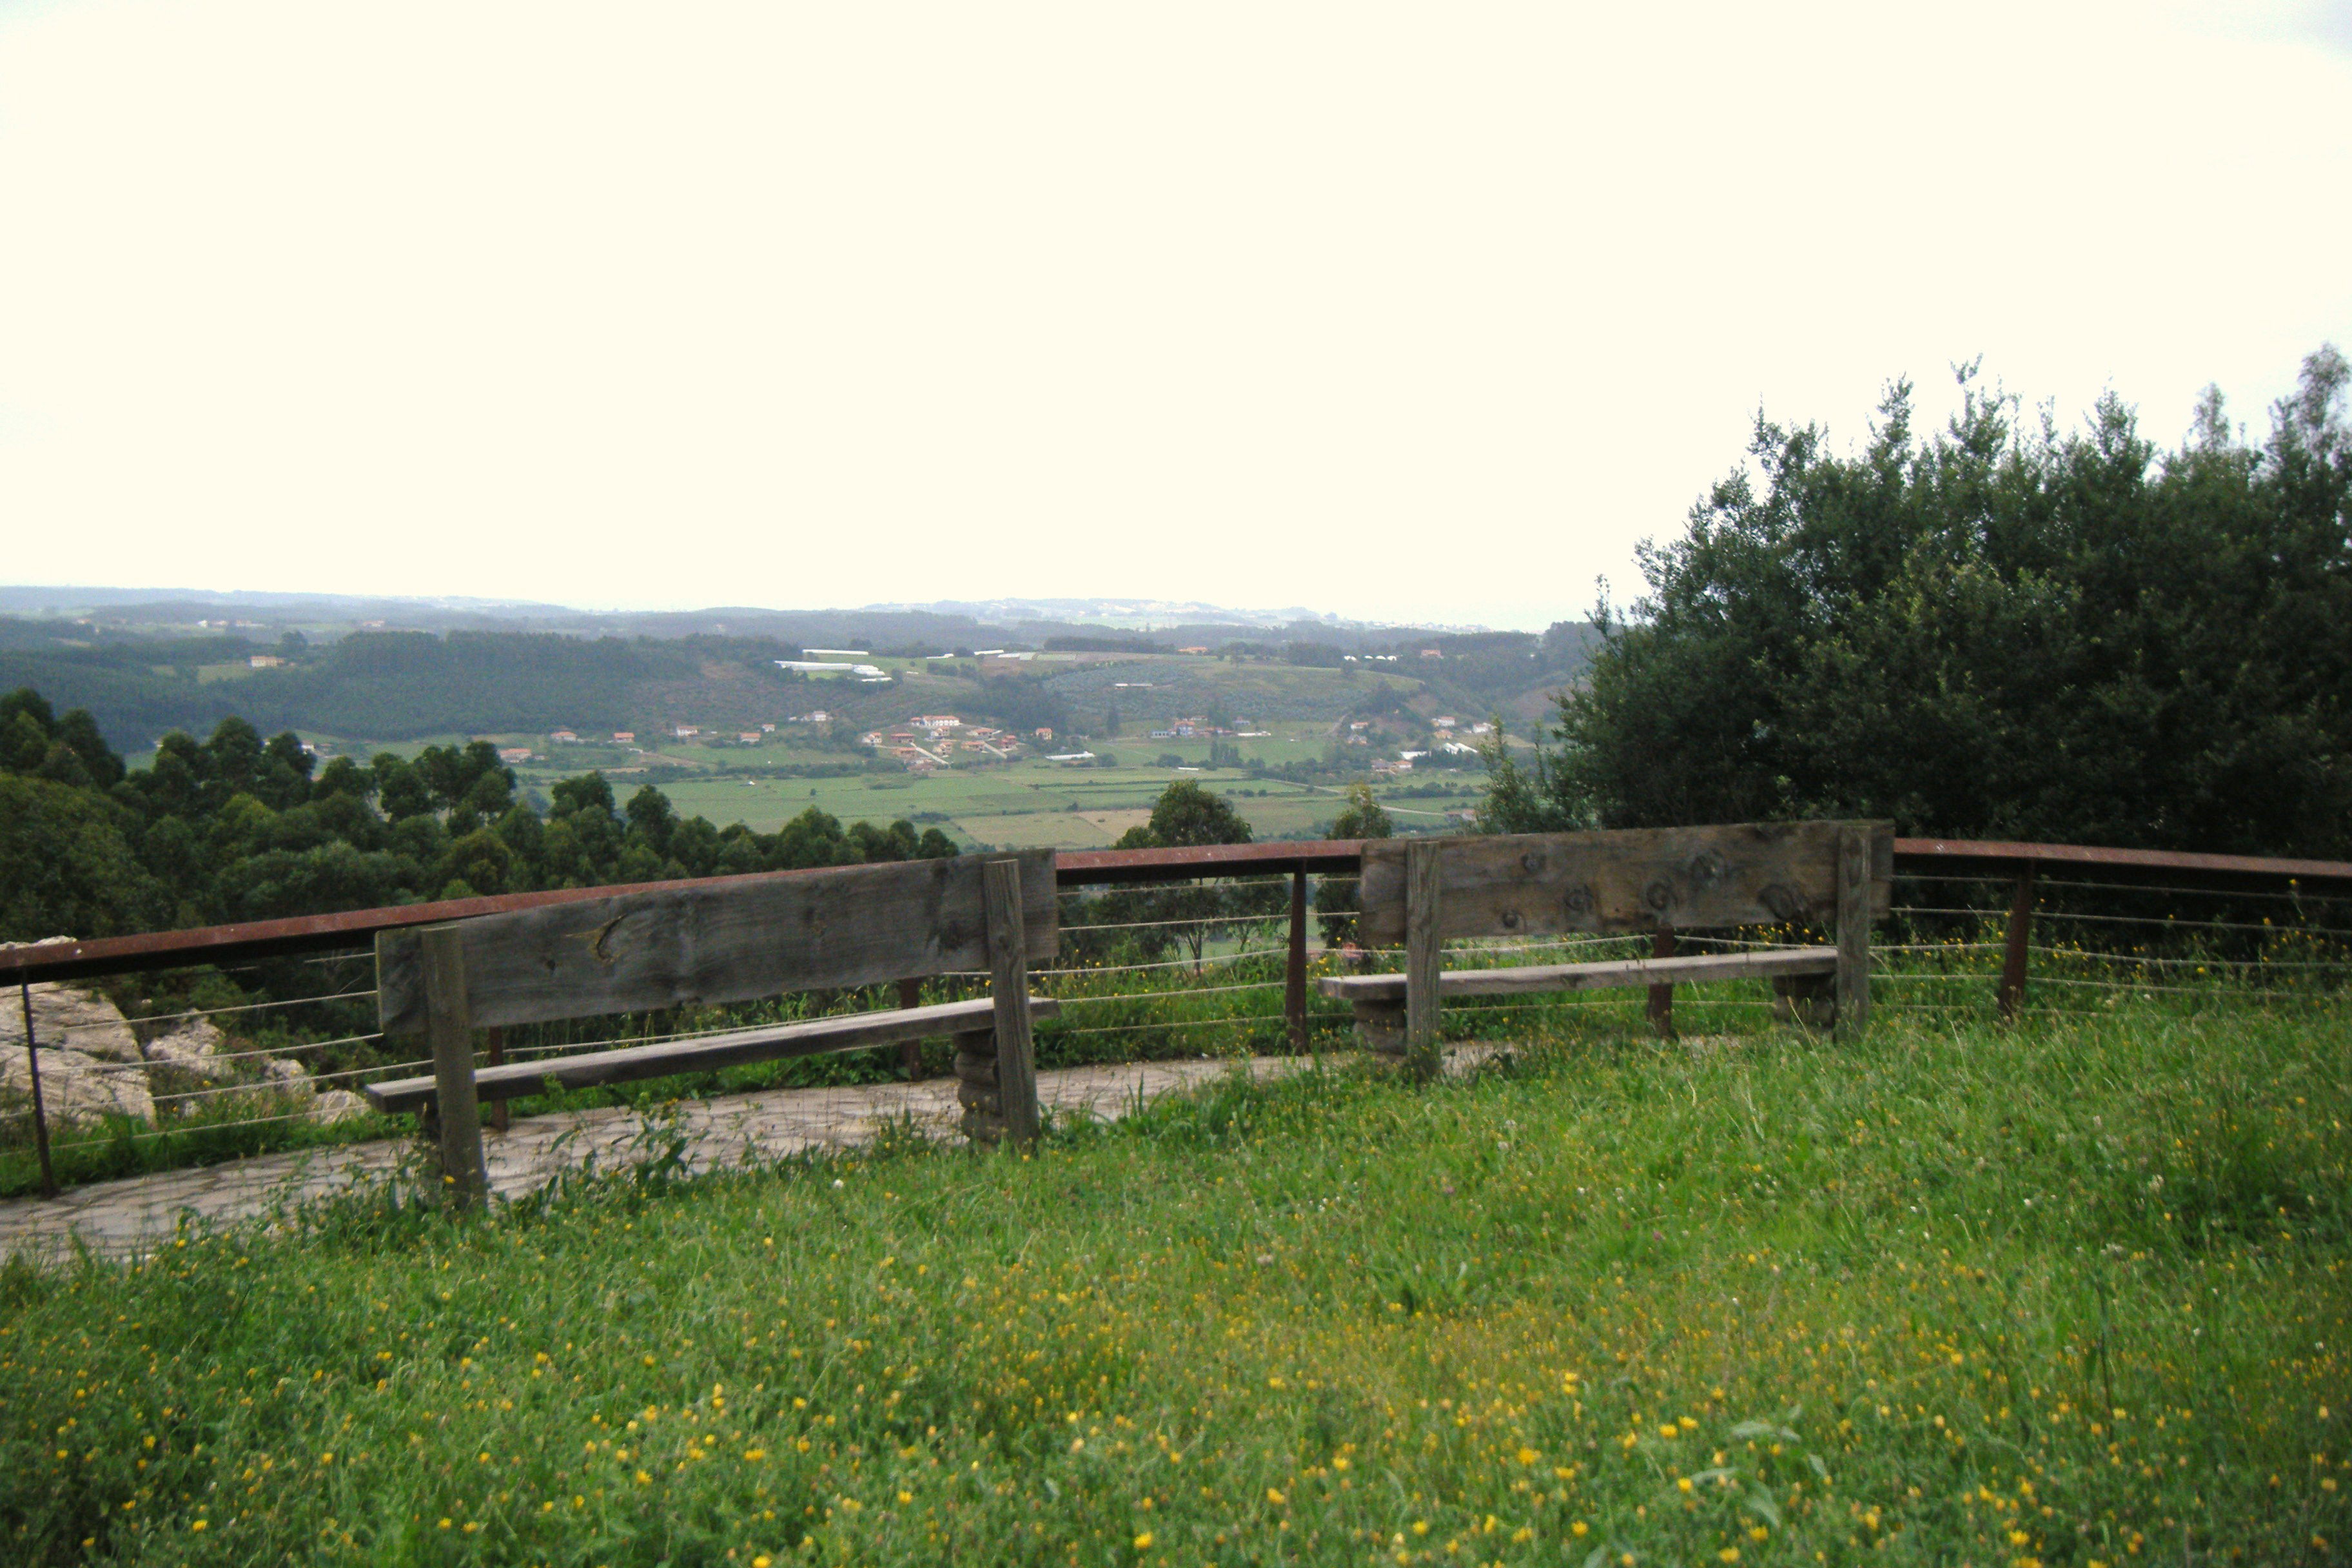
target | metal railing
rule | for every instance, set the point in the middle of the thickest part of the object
(1970, 900)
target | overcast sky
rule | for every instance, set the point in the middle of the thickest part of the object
(1420, 311)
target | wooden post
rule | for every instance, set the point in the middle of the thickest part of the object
(1293, 975)
(1016, 1068)
(449, 1031)
(1853, 930)
(1424, 956)
(1662, 997)
(494, 1046)
(911, 1052)
(33, 1069)
(2020, 932)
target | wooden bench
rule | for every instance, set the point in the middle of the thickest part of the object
(733, 939)
(1420, 892)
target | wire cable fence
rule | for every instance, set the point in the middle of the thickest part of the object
(1187, 969)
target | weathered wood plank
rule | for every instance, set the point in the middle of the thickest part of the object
(464, 1177)
(1008, 964)
(810, 1037)
(725, 940)
(1607, 974)
(1855, 861)
(1424, 956)
(1626, 880)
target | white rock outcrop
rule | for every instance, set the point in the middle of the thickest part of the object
(93, 1065)
(333, 1105)
(66, 1018)
(75, 1086)
(188, 1060)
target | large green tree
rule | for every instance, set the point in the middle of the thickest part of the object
(1999, 631)
(1185, 816)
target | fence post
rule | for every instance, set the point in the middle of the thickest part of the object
(448, 1027)
(1662, 997)
(1008, 964)
(1423, 958)
(1853, 930)
(494, 1046)
(911, 1052)
(2020, 932)
(1293, 975)
(33, 1069)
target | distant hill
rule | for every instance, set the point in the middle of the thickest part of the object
(398, 670)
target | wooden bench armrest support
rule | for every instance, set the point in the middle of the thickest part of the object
(1606, 974)
(810, 1037)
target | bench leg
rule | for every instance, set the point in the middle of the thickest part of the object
(976, 1087)
(1662, 997)
(911, 1052)
(1807, 1000)
(1380, 1027)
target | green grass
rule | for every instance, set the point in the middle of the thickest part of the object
(2069, 1293)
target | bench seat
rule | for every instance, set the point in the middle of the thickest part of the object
(1608, 974)
(769, 1042)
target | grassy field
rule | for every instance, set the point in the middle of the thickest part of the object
(2070, 1293)
(1029, 803)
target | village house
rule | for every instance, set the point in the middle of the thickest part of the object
(563, 737)
(624, 737)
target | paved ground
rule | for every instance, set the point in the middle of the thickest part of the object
(124, 1218)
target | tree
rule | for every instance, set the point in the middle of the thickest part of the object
(1335, 900)
(1998, 632)
(66, 865)
(233, 827)
(1186, 816)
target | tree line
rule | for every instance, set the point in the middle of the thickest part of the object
(1995, 631)
(235, 827)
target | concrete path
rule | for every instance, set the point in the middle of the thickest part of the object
(125, 1218)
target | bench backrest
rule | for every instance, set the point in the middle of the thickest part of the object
(1625, 881)
(731, 938)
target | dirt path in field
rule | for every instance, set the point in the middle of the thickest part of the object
(128, 1218)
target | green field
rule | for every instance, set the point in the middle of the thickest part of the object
(2070, 1293)
(1031, 803)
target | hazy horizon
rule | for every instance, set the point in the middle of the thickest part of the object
(1413, 315)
